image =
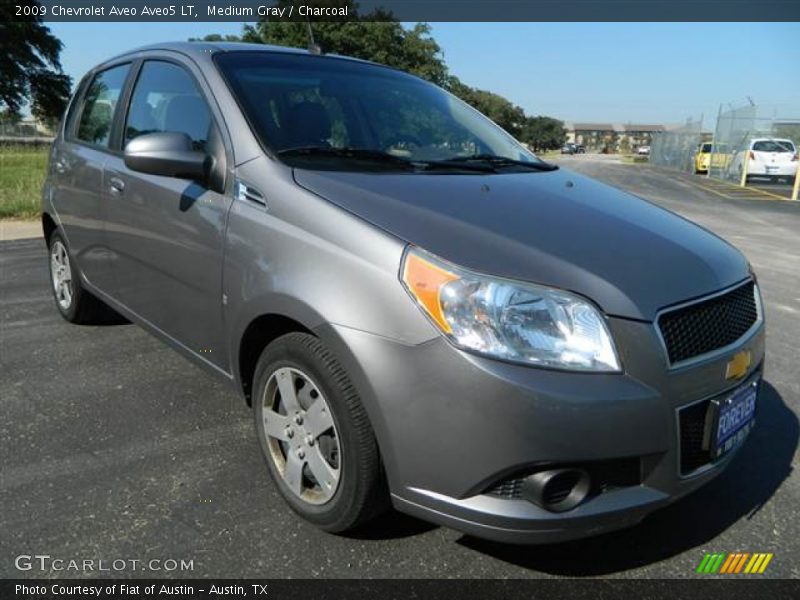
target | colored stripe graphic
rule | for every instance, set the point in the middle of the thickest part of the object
(711, 563)
(702, 567)
(718, 563)
(723, 563)
(736, 562)
(728, 563)
(764, 564)
(754, 563)
(740, 564)
(759, 563)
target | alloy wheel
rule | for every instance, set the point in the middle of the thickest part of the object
(61, 274)
(301, 435)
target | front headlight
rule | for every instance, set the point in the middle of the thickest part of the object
(510, 320)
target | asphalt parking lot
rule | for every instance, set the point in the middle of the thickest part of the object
(113, 446)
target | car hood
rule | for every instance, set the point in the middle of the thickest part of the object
(554, 228)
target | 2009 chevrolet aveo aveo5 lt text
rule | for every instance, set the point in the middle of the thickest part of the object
(420, 311)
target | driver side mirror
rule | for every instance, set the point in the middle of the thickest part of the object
(169, 154)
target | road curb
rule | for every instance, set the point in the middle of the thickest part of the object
(19, 230)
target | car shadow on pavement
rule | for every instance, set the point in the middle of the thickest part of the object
(391, 525)
(751, 479)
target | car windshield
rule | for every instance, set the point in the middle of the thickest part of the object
(327, 112)
(773, 146)
(706, 148)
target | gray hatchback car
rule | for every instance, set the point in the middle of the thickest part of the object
(420, 312)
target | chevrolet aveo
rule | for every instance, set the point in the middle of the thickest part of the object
(420, 312)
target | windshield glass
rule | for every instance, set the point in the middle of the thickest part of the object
(297, 102)
(773, 146)
(706, 148)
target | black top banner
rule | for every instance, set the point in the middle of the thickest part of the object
(406, 10)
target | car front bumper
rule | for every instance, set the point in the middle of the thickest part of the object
(451, 426)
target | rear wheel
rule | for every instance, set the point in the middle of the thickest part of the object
(74, 303)
(315, 435)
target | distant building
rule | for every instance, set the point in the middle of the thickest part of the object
(612, 137)
(26, 128)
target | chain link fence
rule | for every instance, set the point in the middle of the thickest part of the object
(24, 133)
(676, 148)
(753, 147)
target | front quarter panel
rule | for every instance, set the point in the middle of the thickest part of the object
(304, 258)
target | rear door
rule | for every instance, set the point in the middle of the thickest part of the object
(166, 234)
(78, 172)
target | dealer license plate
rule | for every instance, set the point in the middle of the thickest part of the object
(732, 418)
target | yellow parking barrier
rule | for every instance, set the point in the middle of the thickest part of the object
(745, 166)
(796, 188)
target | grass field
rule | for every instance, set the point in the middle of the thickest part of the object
(22, 171)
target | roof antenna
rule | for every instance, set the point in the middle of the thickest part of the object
(313, 46)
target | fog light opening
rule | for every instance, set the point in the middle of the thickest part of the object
(557, 490)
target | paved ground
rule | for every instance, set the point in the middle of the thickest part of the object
(113, 446)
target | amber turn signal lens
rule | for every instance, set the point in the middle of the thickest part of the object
(425, 280)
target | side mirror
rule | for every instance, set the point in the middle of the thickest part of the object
(167, 153)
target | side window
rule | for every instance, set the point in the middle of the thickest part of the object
(99, 105)
(166, 99)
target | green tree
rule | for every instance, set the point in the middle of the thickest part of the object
(379, 37)
(215, 37)
(543, 133)
(500, 110)
(375, 36)
(30, 68)
(9, 118)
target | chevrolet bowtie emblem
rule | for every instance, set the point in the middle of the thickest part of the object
(737, 367)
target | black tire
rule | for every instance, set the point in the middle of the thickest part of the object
(361, 492)
(82, 308)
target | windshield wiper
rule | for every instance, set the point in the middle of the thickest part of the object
(500, 161)
(380, 156)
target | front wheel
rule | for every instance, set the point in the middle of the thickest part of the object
(315, 435)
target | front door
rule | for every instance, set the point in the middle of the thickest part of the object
(166, 234)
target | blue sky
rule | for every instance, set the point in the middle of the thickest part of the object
(618, 72)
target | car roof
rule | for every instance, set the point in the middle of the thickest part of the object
(771, 139)
(201, 49)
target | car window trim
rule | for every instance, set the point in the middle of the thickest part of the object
(74, 109)
(92, 75)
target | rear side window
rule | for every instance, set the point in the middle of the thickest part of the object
(166, 98)
(773, 146)
(99, 105)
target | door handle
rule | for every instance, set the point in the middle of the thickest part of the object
(117, 185)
